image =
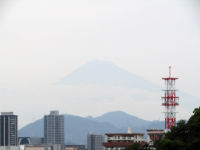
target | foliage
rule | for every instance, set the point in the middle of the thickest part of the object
(185, 136)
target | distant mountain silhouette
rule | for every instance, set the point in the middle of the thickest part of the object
(77, 128)
(34, 129)
(125, 120)
(107, 74)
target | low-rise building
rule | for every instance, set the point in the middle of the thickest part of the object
(118, 141)
(11, 148)
(30, 140)
(75, 147)
(43, 147)
(38, 147)
(153, 135)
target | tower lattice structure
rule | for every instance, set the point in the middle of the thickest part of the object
(170, 101)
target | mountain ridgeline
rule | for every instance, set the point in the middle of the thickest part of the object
(106, 74)
(77, 128)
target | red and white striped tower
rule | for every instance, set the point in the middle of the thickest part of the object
(170, 101)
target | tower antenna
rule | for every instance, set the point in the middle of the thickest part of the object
(170, 101)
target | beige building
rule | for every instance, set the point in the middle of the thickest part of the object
(75, 147)
(43, 147)
(11, 148)
(118, 141)
(34, 147)
(70, 148)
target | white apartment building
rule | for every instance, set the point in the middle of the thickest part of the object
(118, 141)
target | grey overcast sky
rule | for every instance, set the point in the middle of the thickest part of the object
(43, 40)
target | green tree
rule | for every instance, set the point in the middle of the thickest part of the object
(168, 144)
(180, 132)
(194, 130)
(185, 136)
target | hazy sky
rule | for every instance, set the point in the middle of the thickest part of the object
(43, 40)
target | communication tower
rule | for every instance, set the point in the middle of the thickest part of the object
(170, 101)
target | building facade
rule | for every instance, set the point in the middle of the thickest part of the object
(118, 141)
(11, 148)
(8, 129)
(54, 129)
(154, 135)
(75, 147)
(38, 147)
(95, 142)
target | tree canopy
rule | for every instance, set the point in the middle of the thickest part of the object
(185, 136)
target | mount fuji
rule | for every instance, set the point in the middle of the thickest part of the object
(106, 73)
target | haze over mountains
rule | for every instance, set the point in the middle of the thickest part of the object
(96, 88)
(104, 85)
(77, 128)
(106, 74)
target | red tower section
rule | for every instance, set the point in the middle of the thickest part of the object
(170, 101)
